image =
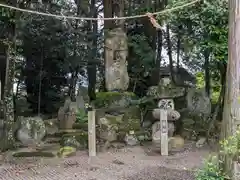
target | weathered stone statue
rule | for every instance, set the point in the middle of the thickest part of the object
(116, 52)
(31, 130)
(67, 114)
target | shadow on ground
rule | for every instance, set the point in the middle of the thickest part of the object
(162, 173)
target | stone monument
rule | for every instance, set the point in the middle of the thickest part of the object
(116, 51)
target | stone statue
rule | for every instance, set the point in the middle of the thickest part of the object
(31, 130)
(116, 52)
(67, 114)
(198, 102)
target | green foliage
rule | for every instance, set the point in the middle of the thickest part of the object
(200, 80)
(215, 86)
(81, 116)
(203, 28)
(211, 170)
(213, 166)
(231, 145)
(143, 51)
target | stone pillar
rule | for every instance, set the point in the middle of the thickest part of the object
(116, 51)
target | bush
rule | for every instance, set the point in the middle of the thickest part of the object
(212, 169)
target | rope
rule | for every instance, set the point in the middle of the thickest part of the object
(98, 19)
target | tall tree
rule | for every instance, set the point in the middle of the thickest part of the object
(8, 136)
(91, 68)
(231, 113)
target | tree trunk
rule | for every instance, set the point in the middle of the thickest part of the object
(8, 100)
(207, 73)
(231, 113)
(3, 59)
(91, 69)
(7, 140)
(108, 12)
(178, 46)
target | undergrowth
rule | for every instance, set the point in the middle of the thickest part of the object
(213, 166)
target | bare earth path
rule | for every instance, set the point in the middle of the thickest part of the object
(125, 164)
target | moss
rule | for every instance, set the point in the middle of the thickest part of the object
(80, 126)
(66, 151)
(105, 99)
(132, 124)
(33, 154)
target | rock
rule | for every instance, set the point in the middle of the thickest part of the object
(131, 139)
(156, 130)
(61, 114)
(162, 92)
(200, 143)
(113, 99)
(67, 114)
(171, 129)
(146, 124)
(82, 96)
(68, 121)
(78, 139)
(198, 102)
(108, 127)
(67, 151)
(172, 115)
(51, 126)
(176, 142)
(31, 130)
(70, 141)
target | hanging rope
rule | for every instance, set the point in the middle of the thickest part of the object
(99, 19)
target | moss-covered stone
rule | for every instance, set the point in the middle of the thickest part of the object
(166, 91)
(108, 127)
(33, 154)
(68, 139)
(109, 99)
(80, 126)
(66, 151)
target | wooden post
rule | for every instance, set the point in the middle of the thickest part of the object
(91, 133)
(164, 132)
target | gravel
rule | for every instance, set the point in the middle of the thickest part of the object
(136, 163)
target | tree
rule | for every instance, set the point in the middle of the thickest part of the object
(7, 140)
(231, 115)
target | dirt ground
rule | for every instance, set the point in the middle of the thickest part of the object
(130, 163)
